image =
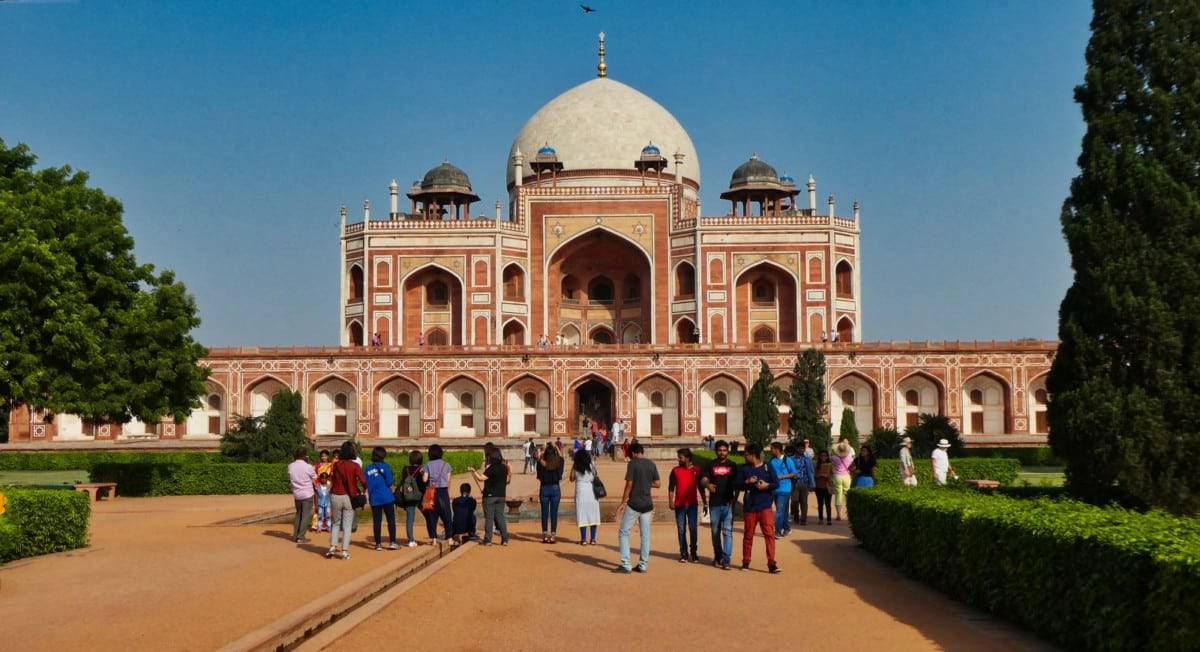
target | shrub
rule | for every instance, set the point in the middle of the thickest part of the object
(175, 479)
(929, 429)
(72, 460)
(849, 429)
(1002, 470)
(806, 400)
(885, 442)
(760, 420)
(41, 521)
(1033, 456)
(274, 437)
(1085, 577)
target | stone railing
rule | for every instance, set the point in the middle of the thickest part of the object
(785, 220)
(477, 224)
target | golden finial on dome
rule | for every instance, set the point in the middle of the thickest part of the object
(602, 68)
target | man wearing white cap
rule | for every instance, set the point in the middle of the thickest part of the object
(941, 463)
(908, 473)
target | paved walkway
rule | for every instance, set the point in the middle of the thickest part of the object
(159, 576)
(831, 595)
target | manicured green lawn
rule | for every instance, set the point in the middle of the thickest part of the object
(1041, 476)
(42, 478)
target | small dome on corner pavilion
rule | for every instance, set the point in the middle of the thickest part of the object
(446, 176)
(754, 172)
(547, 150)
(651, 150)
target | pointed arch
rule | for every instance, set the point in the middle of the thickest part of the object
(658, 398)
(604, 392)
(354, 333)
(845, 329)
(844, 278)
(601, 227)
(929, 392)
(257, 398)
(570, 334)
(515, 279)
(601, 334)
(462, 399)
(355, 281)
(859, 392)
(1038, 398)
(722, 404)
(685, 330)
(785, 302)
(398, 417)
(514, 333)
(985, 413)
(332, 405)
(683, 280)
(525, 417)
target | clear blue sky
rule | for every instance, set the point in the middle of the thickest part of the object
(233, 130)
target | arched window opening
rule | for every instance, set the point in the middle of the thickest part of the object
(340, 401)
(602, 336)
(1041, 397)
(356, 283)
(514, 283)
(845, 331)
(656, 399)
(912, 397)
(514, 333)
(404, 401)
(686, 332)
(436, 294)
(356, 334)
(845, 280)
(467, 399)
(685, 281)
(764, 291)
(633, 288)
(437, 337)
(976, 397)
(530, 400)
(214, 401)
(600, 290)
(721, 399)
(570, 289)
(847, 397)
(764, 334)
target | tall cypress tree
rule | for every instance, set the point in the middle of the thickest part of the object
(760, 420)
(806, 399)
(1125, 385)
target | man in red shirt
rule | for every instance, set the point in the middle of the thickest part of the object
(683, 489)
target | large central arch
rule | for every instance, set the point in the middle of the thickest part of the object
(609, 280)
(592, 396)
(433, 306)
(765, 302)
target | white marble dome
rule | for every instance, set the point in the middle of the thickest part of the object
(604, 124)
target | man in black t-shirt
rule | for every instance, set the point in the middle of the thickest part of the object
(641, 475)
(719, 480)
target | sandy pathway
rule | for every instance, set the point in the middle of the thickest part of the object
(531, 596)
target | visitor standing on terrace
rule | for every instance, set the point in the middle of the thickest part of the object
(908, 471)
(380, 483)
(719, 480)
(408, 495)
(759, 482)
(303, 478)
(785, 471)
(684, 494)
(822, 479)
(550, 475)
(587, 506)
(437, 472)
(349, 483)
(641, 475)
(843, 457)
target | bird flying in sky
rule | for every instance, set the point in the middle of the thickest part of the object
(587, 10)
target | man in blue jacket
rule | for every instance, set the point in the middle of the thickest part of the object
(758, 482)
(805, 481)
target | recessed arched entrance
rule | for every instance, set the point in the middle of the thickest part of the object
(593, 400)
(602, 280)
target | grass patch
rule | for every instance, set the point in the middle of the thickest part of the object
(42, 478)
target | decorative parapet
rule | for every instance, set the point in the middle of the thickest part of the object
(782, 220)
(392, 226)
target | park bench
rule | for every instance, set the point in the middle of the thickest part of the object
(93, 489)
(983, 484)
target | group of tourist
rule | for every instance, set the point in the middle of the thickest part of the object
(774, 487)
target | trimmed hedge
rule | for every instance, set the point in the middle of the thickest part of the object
(41, 521)
(888, 471)
(1032, 456)
(1005, 471)
(1085, 577)
(85, 460)
(199, 479)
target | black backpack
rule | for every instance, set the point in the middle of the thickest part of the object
(410, 489)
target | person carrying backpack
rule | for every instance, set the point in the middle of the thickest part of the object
(413, 481)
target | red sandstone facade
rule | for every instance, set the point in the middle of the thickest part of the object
(605, 292)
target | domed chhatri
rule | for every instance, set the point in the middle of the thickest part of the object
(756, 182)
(602, 124)
(547, 150)
(446, 176)
(754, 172)
(444, 191)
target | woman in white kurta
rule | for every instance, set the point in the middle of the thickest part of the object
(587, 508)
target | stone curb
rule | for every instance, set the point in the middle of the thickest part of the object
(293, 628)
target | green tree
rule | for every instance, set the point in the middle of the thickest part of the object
(273, 437)
(1124, 387)
(85, 328)
(806, 400)
(760, 420)
(930, 429)
(849, 429)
